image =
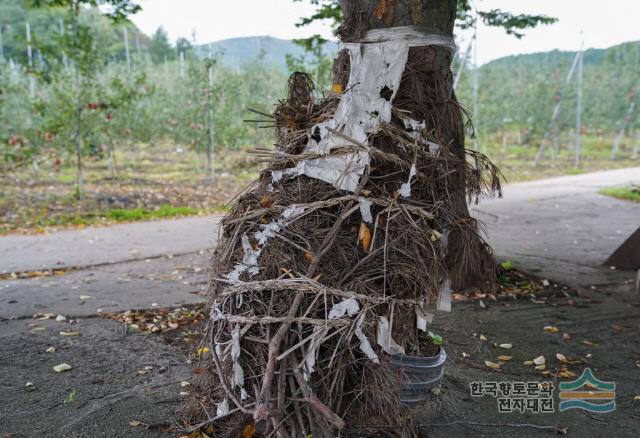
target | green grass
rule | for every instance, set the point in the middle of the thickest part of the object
(625, 193)
(119, 215)
(139, 214)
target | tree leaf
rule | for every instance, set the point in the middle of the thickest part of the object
(365, 237)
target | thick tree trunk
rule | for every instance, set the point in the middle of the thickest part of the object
(426, 89)
(363, 210)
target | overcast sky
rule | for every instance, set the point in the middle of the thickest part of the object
(604, 23)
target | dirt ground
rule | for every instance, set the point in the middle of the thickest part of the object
(127, 383)
(120, 377)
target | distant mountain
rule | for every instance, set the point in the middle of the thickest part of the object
(619, 54)
(237, 51)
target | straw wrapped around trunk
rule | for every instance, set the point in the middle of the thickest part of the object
(316, 281)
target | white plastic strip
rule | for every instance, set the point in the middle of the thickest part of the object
(405, 189)
(376, 65)
(347, 307)
(444, 297)
(411, 36)
(312, 353)
(373, 68)
(238, 372)
(365, 345)
(222, 408)
(423, 318)
(365, 210)
(384, 338)
(249, 262)
(267, 231)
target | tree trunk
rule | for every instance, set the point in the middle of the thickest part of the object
(434, 62)
(426, 90)
(364, 197)
(113, 166)
(77, 141)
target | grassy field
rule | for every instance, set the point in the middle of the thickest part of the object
(152, 183)
(161, 182)
(517, 161)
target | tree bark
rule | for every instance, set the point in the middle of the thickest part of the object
(428, 94)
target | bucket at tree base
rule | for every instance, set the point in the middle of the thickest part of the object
(422, 372)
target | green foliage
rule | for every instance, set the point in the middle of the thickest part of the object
(118, 215)
(624, 193)
(507, 265)
(518, 93)
(117, 10)
(436, 339)
(160, 48)
(512, 24)
(329, 10)
(319, 64)
(137, 214)
(71, 397)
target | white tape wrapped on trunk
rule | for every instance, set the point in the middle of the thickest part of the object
(376, 64)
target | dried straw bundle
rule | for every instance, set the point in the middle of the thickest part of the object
(307, 276)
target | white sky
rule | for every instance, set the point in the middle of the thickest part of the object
(604, 23)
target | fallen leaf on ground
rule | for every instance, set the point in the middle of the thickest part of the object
(61, 368)
(567, 374)
(551, 329)
(134, 423)
(540, 360)
(589, 343)
(61, 318)
(161, 320)
(202, 350)
(465, 355)
(50, 350)
(527, 362)
(492, 365)
(619, 328)
(69, 333)
(566, 336)
(504, 358)
(506, 346)
(540, 367)
(483, 338)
